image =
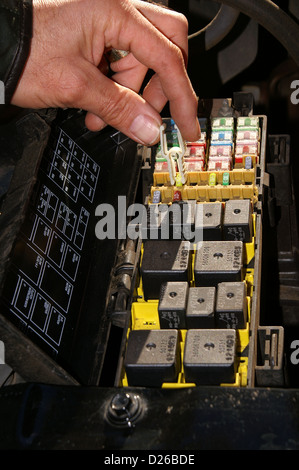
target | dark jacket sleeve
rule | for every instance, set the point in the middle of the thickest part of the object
(15, 39)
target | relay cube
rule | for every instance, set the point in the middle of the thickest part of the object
(218, 261)
(152, 357)
(209, 356)
(164, 260)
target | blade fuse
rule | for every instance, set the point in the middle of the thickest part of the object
(173, 155)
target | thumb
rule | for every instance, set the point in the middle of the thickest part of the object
(118, 106)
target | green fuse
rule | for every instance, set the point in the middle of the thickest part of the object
(159, 157)
(225, 178)
(212, 179)
(252, 121)
(175, 141)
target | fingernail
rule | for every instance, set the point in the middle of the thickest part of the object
(145, 129)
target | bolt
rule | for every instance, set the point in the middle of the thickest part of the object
(120, 402)
(124, 409)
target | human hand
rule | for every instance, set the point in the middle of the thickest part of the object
(63, 70)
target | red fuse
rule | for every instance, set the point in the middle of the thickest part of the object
(220, 163)
(248, 134)
(220, 150)
(177, 196)
(195, 152)
(249, 148)
(239, 159)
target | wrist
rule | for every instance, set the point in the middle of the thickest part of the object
(16, 28)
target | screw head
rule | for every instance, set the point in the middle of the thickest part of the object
(124, 409)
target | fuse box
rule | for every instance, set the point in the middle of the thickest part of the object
(217, 286)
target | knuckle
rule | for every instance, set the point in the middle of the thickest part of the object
(117, 109)
(71, 88)
(182, 22)
(176, 55)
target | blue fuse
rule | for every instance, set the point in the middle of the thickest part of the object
(222, 135)
(172, 124)
(248, 163)
(156, 197)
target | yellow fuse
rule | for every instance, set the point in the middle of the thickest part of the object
(212, 179)
(178, 180)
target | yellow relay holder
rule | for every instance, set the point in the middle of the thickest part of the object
(144, 316)
(237, 182)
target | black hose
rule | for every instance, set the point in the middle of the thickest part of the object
(273, 19)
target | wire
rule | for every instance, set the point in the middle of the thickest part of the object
(218, 28)
(273, 19)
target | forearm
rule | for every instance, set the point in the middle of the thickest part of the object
(15, 38)
(67, 46)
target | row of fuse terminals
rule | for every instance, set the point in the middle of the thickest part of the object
(226, 154)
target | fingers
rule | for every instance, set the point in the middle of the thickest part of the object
(69, 76)
(117, 106)
(172, 24)
(129, 72)
(166, 59)
(153, 93)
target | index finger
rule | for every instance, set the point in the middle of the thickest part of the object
(157, 52)
(172, 24)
